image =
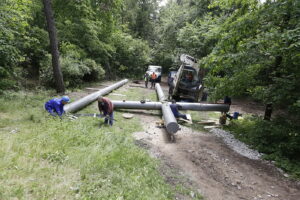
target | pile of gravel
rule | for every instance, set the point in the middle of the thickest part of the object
(236, 145)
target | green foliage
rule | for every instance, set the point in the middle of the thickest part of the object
(165, 52)
(181, 29)
(75, 68)
(13, 24)
(278, 139)
(200, 37)
(131, 56)
(258, 49)
(139, 17)
(249, 48)
(87, 35)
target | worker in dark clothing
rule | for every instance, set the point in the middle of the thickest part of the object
(177, 114)
(107, 109)
(146, 78)
(227, 100)
(171, 87)
(153, 79)
(56, 106)
(189, 77)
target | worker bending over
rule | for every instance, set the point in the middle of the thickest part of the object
(56, 106)
(107, 109)
(174, 108)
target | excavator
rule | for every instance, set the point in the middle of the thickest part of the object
(187, 84)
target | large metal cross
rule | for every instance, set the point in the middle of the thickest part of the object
(169, 120)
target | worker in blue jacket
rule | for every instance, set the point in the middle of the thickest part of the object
(56, 106)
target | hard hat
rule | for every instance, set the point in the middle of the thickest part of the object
(65, 99)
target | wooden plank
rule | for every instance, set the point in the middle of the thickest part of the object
(189, 119)
(207, 122)
(210, 127)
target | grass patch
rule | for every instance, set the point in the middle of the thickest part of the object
(279, 140)
(188, 192)
(47, 158)
(134, 94)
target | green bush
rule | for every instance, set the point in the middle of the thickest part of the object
(278, 139)
(75, 71)
(75, 67)
(131, 56)
(96, 70)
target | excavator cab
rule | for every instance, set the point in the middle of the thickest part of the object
(187, 82)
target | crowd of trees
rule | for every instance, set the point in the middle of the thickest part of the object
(248, 47)
(96, 39)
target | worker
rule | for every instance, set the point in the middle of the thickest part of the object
(106, 108)
(189, 77)
(174, 108)
(171, 87)
(56, 106)
(153, 78)
(227, 100)
(146, 79)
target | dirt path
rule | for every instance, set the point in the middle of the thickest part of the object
(213, 168)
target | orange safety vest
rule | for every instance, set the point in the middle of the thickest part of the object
(153, 76)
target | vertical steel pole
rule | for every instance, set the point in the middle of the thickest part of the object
(168, 116)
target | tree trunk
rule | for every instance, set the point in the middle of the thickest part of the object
(60, 87)
(110, 74)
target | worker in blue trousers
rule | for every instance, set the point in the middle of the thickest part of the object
(56, 106)
(174, 108)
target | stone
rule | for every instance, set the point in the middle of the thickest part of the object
(127, 115)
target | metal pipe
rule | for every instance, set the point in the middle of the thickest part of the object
(169, 119)
(168, 116)
(160, 93)
(137, 105)
(81, 103)
(203, 107)
(181, 105)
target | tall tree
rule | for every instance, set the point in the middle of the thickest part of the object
(140, 18)
(60, 88)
